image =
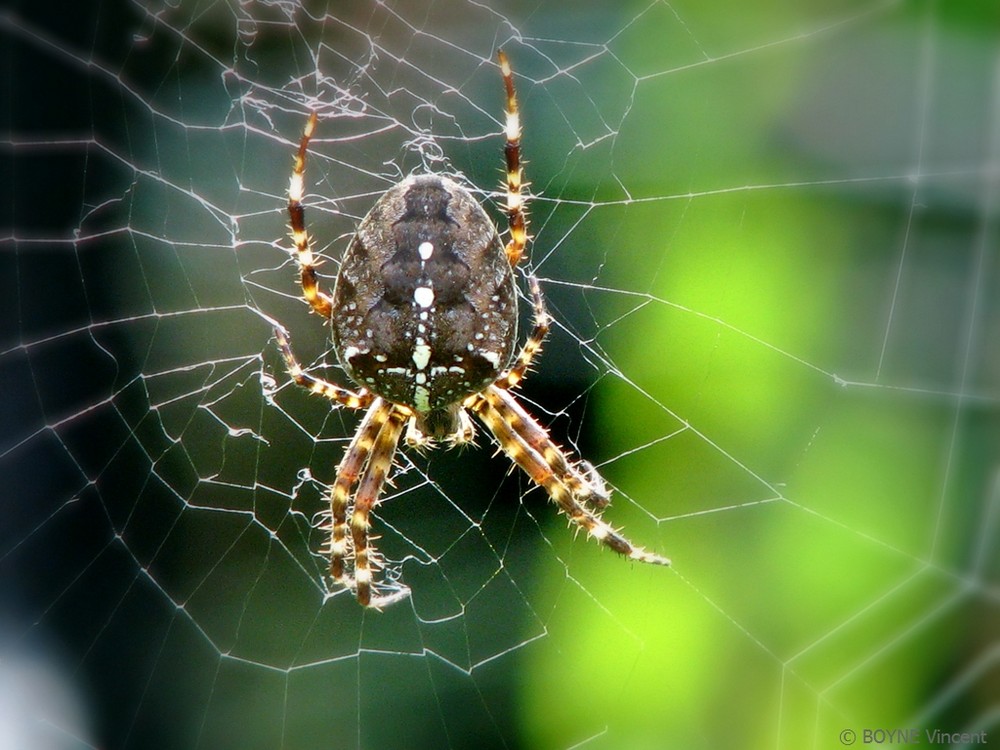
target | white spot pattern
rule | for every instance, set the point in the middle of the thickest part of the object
(421, 354)
(423, 296)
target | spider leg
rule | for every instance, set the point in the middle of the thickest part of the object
(582, 480)
(345, 396)
(319, 301)
(370, 487)
(518, 222)
(347, 476)
(517, 446)
(533, 345)
(512, 156)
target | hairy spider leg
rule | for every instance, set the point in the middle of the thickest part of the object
(520, 451)
(331, 391)
(512, 155)
(581, 479)
(518, 222)
(318, 300)
(348, 471)
(369, 489)
(533, 345)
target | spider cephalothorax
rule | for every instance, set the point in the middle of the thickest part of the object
(424, 319)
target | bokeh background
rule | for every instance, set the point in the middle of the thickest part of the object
(769, 236)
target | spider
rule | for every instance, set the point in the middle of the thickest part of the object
(424, 319)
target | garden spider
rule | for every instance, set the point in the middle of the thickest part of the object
(424, 319)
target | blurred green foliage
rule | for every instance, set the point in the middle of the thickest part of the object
(788, 433)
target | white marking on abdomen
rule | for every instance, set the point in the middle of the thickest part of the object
(421, 354)
(423, 296)
(426, 250)
(421, 398)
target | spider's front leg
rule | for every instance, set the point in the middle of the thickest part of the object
(369, 489)
(581, 479)
(516, 435)
(348, 471)
(371, 451)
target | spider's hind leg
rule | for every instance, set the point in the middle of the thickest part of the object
(516, 217)
(318, 300)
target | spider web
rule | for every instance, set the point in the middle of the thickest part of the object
(769, 241)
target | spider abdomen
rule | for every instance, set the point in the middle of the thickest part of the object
(425, 308)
